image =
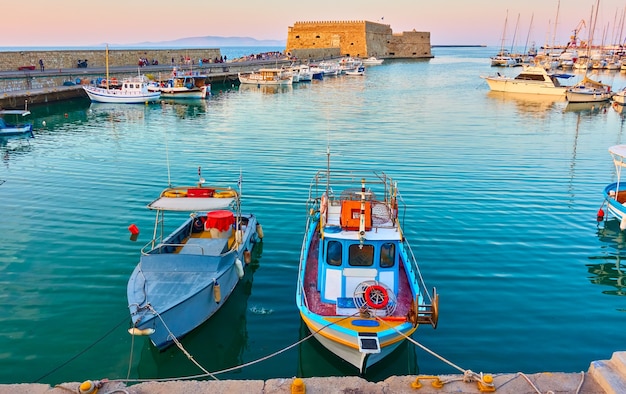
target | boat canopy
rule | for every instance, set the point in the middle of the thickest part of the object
(618, 151)
(190, 204)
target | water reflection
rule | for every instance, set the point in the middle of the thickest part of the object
(118, 113)
(527, 103)
(216, 345)
(587, 108)
(607, 271)
(265, 89)
(186, 108)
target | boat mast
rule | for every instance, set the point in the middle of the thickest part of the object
(556, 23)
(106, 60)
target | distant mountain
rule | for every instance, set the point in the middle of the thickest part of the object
(213, 41)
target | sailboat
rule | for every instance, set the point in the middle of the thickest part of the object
(588, 90)
(131, 91)
(503, 58)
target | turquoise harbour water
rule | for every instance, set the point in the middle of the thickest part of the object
(502, 195)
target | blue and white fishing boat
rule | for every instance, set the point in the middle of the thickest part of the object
(16, 128)
(360, 291)
(615, 193)
(185, 276)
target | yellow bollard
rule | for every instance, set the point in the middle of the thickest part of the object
(486, 385)
(297, 387)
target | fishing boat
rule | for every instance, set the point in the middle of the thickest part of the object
(531, 80)
(359, 71)
(185, 276)
(615, 192)
(360, 291)
(131, 91)
(267, 76)
(183, 86)
(16, 128)
(620, 97)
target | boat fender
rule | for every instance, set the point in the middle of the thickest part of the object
(259, 230)
(622, 224)
(376, 297)
(247, 256)
(239, 268)
(217, 293)
(600, 216)
(140, 332)
(238, 236)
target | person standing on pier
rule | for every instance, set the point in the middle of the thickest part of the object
(41, 67)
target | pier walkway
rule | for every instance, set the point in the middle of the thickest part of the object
(603, 377)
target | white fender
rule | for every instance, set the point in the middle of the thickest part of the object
(239, 267)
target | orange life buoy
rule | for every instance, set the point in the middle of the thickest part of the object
(376, 297)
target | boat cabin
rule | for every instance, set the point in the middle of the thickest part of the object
(356, 248)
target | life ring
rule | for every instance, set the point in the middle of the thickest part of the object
(376, 297)
(175, 193)
(225, 194)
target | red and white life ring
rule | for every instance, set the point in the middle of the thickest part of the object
(376, 297)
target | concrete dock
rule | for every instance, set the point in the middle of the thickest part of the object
(603, 377)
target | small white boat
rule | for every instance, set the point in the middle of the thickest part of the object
(372, 61)
(356, 72)
(267, 76)
(15, 128)
(532, 80)
(587, 91)
(132, 91)
(182, 85)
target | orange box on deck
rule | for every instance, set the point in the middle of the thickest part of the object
(351, 215)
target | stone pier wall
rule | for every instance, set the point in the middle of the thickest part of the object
(12, 60)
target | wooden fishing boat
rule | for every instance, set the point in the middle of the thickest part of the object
(185, 276)
(360, 291)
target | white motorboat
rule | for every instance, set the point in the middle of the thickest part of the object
(372, 61)
(532, 80)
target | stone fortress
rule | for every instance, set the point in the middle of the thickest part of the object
(326, 39)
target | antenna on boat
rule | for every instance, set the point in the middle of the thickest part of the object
(327, 168)
(200, 178)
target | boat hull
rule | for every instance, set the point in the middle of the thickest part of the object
(17, 130)
(615, 206)
(509, 85)
(116, 96)
(587, 96)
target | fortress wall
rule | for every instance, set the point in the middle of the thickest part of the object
(97, 58)
(356, 38)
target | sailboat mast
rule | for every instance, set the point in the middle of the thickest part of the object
(556, 22)
(106, 59)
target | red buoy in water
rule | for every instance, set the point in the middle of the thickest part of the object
(134, 230)
(600, 215)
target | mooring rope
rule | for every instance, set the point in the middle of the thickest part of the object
(83, 351)
(469, 375)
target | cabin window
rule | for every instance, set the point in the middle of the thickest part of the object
(361, 255)
(333, 253)
(387, 255)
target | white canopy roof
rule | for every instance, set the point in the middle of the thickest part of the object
(190, 204)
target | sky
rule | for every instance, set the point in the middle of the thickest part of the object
(42, 23)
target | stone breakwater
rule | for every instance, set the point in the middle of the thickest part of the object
(14, 60)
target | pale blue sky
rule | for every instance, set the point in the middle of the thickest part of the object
(79, 22)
